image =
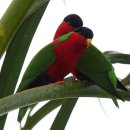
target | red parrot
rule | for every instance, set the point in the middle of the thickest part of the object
(70, 22)
(54, 61)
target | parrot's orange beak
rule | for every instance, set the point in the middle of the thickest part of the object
(88, 42)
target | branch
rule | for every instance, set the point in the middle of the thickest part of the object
(52, 92)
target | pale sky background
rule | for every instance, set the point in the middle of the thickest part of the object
(110, 22)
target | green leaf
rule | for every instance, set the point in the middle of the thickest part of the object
(64, 114)
(11, 20)
(18, 13)
(41, 113)
(126, 80)
(19, 44)
(117, 57)
(22, 111)
(38, 66)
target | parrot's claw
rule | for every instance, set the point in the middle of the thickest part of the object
(59, 82)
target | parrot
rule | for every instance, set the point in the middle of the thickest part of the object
(93, 65)
(53, 62)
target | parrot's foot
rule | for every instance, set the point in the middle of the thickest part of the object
(74, 78)
(78, 81)
(59, 82)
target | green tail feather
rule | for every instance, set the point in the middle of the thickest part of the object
(121, 86)
(114, 99)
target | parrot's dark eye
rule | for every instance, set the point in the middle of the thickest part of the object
(86, 32)
(74, 20)
(79, 32)
(68, 22)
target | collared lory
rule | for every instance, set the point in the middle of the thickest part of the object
(56, 60)
(95, 67)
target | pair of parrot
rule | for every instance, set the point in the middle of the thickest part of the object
(53, 62)
(72, 52)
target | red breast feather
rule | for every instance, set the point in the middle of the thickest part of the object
(64, 28)
(67, 55)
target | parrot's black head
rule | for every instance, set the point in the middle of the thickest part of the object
(74, 20)
(86, 32)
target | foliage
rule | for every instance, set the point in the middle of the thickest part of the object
(15, 37)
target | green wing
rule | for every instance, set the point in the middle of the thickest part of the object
(95, 66)
(39, 64)
(93, 60)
